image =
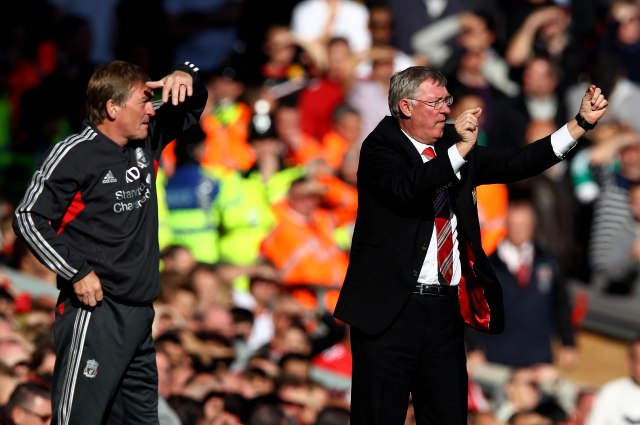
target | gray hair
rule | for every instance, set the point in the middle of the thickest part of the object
(405, 84)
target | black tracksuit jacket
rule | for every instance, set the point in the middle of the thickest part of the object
(91, 204)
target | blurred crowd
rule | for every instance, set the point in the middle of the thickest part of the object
(257, 204)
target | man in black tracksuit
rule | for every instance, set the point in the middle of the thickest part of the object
(90, 215)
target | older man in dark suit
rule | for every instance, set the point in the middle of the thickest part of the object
(417, 271)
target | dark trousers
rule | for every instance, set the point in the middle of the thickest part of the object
(105, 370)
(422, 354)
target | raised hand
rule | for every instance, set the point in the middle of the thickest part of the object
(178, 85)
(593, 105)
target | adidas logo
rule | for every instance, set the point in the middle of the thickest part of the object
(109, 178)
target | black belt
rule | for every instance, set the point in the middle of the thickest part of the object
(435, 290)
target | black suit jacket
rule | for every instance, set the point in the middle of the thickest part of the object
(395, 220)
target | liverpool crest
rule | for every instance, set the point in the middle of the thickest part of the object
(91, 369)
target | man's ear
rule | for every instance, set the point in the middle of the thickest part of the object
(112, 109)
(18, 415)
(406, 107)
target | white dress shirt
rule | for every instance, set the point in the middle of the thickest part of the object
(561, 141)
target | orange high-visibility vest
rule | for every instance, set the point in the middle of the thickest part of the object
(227, 145)
(305, 251)
(334, 146)
(341, 198)
(309, 150)
(493, 201)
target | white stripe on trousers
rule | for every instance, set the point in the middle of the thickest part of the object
(75, 355)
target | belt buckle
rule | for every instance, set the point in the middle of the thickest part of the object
(425, 289)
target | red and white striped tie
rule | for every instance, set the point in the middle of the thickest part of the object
(443, 227)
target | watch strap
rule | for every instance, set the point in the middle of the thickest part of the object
(584, 123)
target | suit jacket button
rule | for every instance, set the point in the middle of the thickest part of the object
(415, 273)
(424, 247)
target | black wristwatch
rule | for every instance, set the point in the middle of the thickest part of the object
(584, 123)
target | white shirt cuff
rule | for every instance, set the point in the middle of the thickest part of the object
(562, 142)
(456, 160)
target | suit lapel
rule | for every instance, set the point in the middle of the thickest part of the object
(393, 133)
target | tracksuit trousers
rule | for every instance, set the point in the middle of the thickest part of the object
(105, 370)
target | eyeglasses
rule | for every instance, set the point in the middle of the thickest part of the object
(43, 418)
(436, 104)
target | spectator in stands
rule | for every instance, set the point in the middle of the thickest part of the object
(618, 401)
(258, 383)
(539, 100)
(344, 134)
(300, 146)
(289, 60)
(622, 37)
(219, 320)
(302, 246)
(611, 211)
(599, 174)
(192, 192)
(183, 301)
(592, 166)
(532, 286)
(271, 174)
(210, 287)
(166, 415)
(522, 393)
(178, 259)
(547, 31)
(368, 94)
(472, 59)
(243, 321)
(188, 410)
(621, 263)
(15, 352)
(410, 16)
(226, 118)
(295, 364)
(297, 329)
(302, 400)
(381, 30)
(264, 289)
(327, 90)
(8, 382)
(321, 20)
(29, 404)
